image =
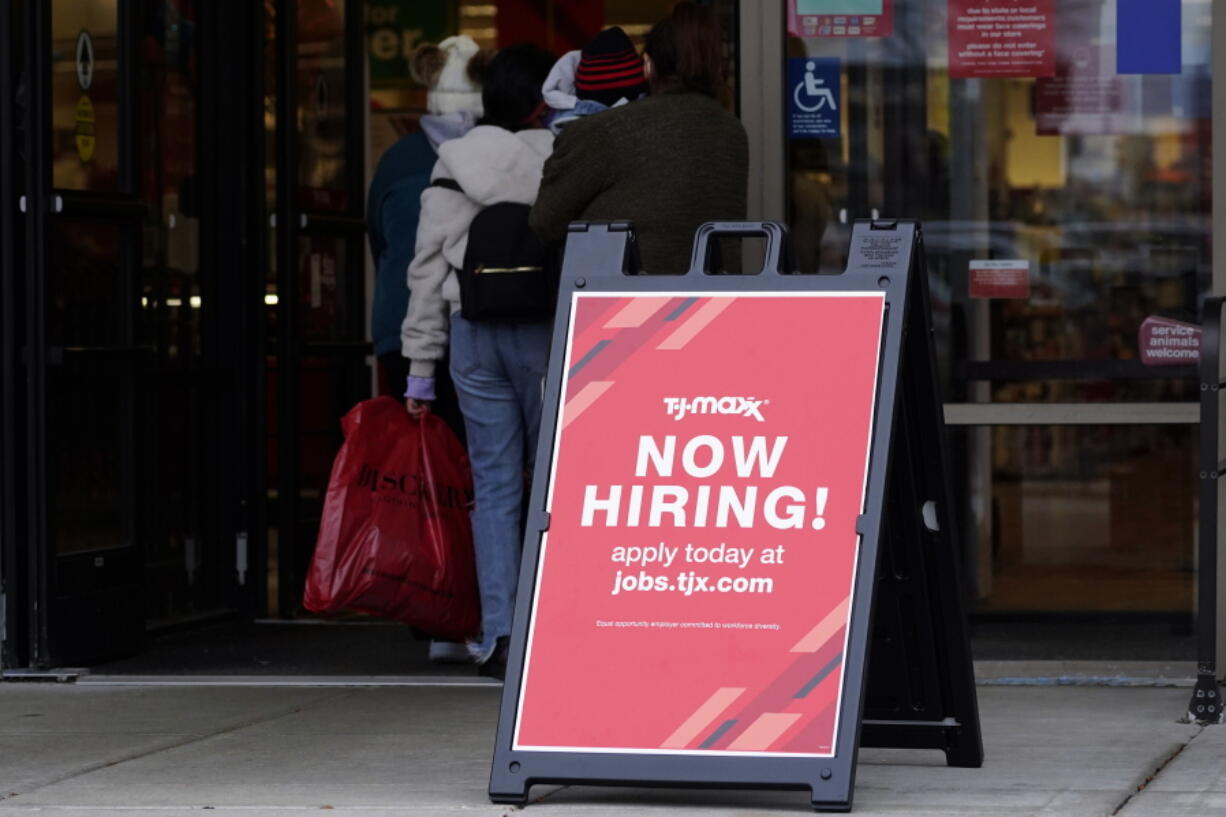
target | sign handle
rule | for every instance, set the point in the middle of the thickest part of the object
(777, 259)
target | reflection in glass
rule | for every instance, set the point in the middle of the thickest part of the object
(85, 94)
(1090, 518)
(1097, 187)
(85, 433)
(321, 276)
(321, 105)
(85, 284)
(171, 305)
(1098, 183)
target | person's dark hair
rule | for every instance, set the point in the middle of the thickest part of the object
(511, 86)
(684, 51)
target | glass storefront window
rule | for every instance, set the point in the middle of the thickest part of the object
(1087, 518)
(394, 28)
(1095, 184)
(1063, 177)
(322, 109)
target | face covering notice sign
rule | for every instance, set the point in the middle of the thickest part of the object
(1001, 38)
(694, 587)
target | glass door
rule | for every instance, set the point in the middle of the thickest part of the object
(1065, 195)
(82, 217)
(189, 313)
(316, 296)
(15, 635)
(127, 313)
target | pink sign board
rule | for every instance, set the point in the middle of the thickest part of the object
(1001, 38)
(1007, 278)
(1168, 342)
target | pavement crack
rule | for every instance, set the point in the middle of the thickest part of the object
(1166, 761)
(168, 745)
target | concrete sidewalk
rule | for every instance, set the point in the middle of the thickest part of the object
(96, 749)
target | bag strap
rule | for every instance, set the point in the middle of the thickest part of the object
(450, 184)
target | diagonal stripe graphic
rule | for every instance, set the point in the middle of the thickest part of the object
(636, 313)
(580, 403)
(819, 635)
(717, 734)
(764, 731)
(780, 695)
(590, 315)
(720, 700)
(628, 343)
(690, 327)
(680, 310)
(817, 734)
(821, 676)
(586, 359)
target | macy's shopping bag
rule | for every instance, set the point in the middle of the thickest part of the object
(395, 539)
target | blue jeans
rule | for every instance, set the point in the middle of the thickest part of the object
(499, 371)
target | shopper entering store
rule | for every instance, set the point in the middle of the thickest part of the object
(451, 72)
(497, 365)
(667, 163)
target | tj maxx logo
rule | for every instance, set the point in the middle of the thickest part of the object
(679, 407)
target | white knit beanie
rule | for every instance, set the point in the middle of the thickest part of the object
(454, 90)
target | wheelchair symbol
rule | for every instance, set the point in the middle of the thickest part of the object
(814, 90)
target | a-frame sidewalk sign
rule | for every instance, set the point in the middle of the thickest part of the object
(740, 562)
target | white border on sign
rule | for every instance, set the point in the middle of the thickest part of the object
(553, 467)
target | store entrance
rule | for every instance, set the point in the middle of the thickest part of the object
(184, 311)
(126, 412)
(175, 365)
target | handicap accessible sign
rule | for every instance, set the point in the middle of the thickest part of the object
(813, 98)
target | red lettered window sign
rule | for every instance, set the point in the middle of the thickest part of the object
(695, 585)
(1001, 38)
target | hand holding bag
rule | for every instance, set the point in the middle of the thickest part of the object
(395, 539)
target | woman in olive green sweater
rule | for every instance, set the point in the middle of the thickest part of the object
(667, 163)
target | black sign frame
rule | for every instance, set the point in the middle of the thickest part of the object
(908, 557)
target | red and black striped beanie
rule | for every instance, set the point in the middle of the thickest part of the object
(610, 69)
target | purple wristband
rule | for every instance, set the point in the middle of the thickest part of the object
(420, 388)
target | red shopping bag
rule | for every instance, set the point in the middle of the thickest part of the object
(395, 539)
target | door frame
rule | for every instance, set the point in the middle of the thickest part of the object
(14, 632)
(232, 248)
(50, 644)
(761, 82)
(1218, 40)
(293, 221)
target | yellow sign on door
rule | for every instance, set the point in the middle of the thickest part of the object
(85, 129)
